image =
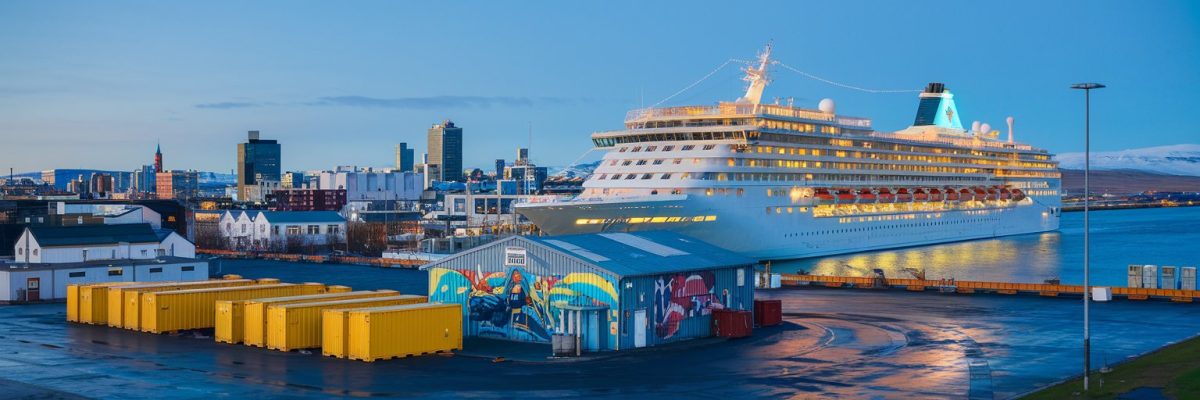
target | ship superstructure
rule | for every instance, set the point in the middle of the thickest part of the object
(774, 181)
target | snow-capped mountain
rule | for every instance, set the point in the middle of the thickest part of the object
(215, 178)
(575, 171)
(1180, 159)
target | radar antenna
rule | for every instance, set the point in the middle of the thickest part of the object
(757, 77)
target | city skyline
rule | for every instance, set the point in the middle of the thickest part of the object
(102, 84)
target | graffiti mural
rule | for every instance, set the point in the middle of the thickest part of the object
(516, 304)
(682, 296)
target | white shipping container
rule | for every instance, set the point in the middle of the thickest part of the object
(1169, 277)
(1135, 276)
(1150, 277)
(1101, 293)
(1187, 278)
(776, 281)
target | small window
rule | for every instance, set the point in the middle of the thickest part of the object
(668, 148)
(709, 146)
(156, 270)
(622, 150)
(20, 251)
(651, 148)
(658, 162)
(630, 176)
(666, 175)
(641, 162)
(115, 272)
(79, 274)
(637, 149)
(188, 268)
(627, 162)
(687, 147)
(614, 177)
(647, 176)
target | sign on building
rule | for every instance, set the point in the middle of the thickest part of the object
(514, 257)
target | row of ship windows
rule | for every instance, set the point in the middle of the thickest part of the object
(782, 177)
(668, 137)
(803, 151)
(866, 144)
(882, 227)
(686, 147)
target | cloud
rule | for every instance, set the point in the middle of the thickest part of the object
(229, 105)
(435, 102)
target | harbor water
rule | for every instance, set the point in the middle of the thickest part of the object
(1157, 236)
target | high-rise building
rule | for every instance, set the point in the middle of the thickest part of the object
(499, 168)
(529, 178)
(177, 184)
(100, 184)
(293, 180)
(257, 159)
(158, 159)
(522, 156)
(144, 179)
(404, 157)
(445, 151)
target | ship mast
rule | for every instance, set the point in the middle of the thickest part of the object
(757, 77)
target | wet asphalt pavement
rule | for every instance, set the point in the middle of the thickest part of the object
(837, 343)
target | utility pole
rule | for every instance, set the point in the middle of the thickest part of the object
(1087, 168)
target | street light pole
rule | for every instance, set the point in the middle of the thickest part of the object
(1087, 169)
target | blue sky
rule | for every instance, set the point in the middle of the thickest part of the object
(96, 84)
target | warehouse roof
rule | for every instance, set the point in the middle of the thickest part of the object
(52, 236)
(283, 217)
(631, 254)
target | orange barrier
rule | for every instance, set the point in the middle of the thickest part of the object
(966, 287)
(376, 261)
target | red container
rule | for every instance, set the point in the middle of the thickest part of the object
(768, 312)
(732, 323)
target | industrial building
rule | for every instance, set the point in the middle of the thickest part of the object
(20, 282)
(613, 290)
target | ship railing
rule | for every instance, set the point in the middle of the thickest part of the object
(730, 109)
(598, 199)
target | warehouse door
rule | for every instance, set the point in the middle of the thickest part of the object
(639, 328)
(593, 331)
(33, 289)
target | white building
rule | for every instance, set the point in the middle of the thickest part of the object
(275, 228)
(112, 213)
(21, 282)
(371, 184)
(237, 227)
(72, 244)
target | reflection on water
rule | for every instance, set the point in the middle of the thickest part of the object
(1148, 236)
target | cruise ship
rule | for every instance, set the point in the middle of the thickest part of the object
(773, 181)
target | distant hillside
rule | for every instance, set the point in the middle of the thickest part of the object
(1125, 181)
(1180, 159)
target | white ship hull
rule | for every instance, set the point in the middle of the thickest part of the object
(744, 227)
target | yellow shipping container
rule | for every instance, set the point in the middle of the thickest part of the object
(73, 302)
(338, 289)
(93, 302)
(228, 324)
(126, 300)
(255, 314)
(266, 281)
(335, 332)
(298, 326)
(196, 309)
(404, 331)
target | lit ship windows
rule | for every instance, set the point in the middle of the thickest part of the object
(677, 161)
(708, 192)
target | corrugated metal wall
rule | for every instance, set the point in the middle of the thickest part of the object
(678, 305)
(483, 284)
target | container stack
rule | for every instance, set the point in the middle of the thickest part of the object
(383, 333)
(1135, 276)
(1150, 277)
(298, 326)
(1170, 277)
(238, 319)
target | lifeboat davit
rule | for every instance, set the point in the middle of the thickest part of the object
(886, 196)
(966, 195)
(902, 195)
(823, 196)
(920, 195)
(935, 195)
(866, 196)
(846, 196)
(1018, 195)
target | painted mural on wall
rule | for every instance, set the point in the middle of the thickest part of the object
(515, 304)
(682, 296)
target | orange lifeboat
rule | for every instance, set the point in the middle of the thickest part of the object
(1018, 195)
(866, 196)
(846, 196)
(992, 194)
(886, 196)
(980, 194)
(823, 196)
(1005, 194)
(920, 195)
(951, 194)
(966, 195)
(935, 195)
(902, 195)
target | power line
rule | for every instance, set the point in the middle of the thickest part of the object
(710, 74)
(842, 85)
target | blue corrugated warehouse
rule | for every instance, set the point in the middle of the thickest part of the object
(618, 290)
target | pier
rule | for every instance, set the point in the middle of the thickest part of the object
(969, 287)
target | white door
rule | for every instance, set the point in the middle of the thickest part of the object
(639, 328)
